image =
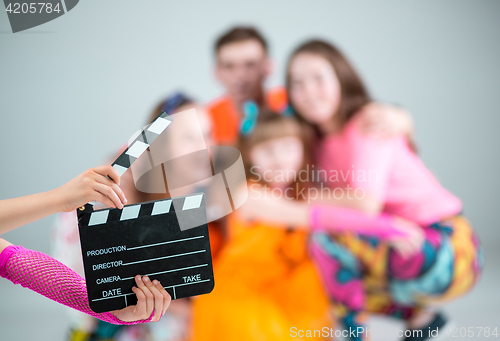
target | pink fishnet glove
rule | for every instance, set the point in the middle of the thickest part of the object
(45, 275)
(329, 218)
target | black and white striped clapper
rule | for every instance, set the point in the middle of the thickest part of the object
(145, 239)
(142, 142)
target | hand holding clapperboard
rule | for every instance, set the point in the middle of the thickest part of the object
(165, 239)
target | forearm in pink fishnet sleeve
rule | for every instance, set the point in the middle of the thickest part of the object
(45, 275)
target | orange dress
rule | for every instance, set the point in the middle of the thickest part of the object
(226, 118)
(265, 284)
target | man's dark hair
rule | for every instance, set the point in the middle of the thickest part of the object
(240, 33)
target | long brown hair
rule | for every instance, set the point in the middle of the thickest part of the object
(353, 92)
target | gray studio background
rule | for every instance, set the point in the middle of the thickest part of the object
(73, 90)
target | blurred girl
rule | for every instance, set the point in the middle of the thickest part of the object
(66, 243)
(266, 286)
(401, 277)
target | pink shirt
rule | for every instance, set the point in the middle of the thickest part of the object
(387, 169)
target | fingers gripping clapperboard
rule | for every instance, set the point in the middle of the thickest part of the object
(146, 239)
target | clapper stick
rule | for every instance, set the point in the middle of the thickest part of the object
(142, 142)
(146, 238)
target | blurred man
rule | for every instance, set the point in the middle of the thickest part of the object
(242, 66)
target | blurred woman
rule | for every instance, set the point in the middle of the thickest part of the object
(440, 257)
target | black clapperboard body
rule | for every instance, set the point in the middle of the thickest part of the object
(145, 239)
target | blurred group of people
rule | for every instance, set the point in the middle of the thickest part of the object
(286, 264)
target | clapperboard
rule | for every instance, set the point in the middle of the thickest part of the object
(146, 239)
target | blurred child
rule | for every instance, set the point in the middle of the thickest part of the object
(266, 286)
(66, 242)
